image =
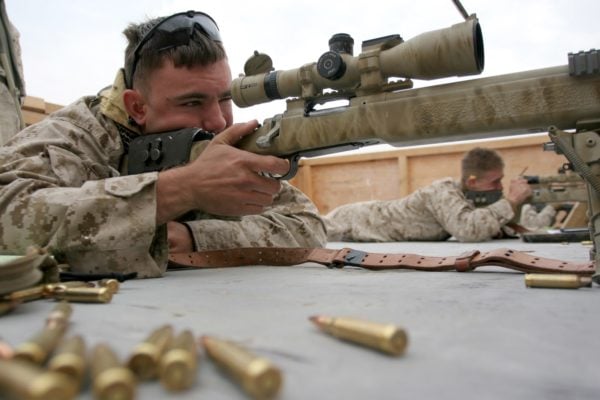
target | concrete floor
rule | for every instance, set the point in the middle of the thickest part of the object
(477, 335)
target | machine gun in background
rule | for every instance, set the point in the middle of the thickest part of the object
(560, 188)
(567, 192)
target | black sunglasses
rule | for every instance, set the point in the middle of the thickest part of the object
(180, 29)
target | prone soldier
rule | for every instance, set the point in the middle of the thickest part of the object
(471, 209)
(80, 152)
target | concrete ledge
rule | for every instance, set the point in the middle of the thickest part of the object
(475, 335)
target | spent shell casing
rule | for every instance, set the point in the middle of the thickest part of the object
(146, 356)
(387, 338)
(112, 284)
(83, 295)
(40, 345)
(40, 291)
(110, 379)
(257, 375)
(59, 316)
(24, 380)
(24, 295)
(69, 359)
(179, 364)
(558, 281)
(69, 284)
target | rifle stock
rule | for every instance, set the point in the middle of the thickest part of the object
(524, 102)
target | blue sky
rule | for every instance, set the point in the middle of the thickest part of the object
(73, 48)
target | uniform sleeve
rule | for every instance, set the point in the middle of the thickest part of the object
(365, 221)
(57, 190)
(292, 221)
(465, 222)
(533, 220)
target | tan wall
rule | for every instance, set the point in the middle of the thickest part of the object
(35, 109)
(341, 179)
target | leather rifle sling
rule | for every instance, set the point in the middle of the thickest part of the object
(278, 256)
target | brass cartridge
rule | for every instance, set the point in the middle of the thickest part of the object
(110, 380)
(69, 359)
(69, 284)
(24, 295)
(42, 291)
(179, 364)
(112, 284)
(558, 281)
(39, 346)
(59, 316)
(146, 356)
(257, 375)
(23, 380)
(387, 338)
(83, 295)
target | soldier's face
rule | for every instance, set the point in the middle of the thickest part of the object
(197, 97)
(490, 180)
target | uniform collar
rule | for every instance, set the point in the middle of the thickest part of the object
(112, 105)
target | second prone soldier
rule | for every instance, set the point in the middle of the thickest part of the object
(471, 209)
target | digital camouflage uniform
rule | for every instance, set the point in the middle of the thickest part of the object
(60, 187)
(533, 220)
(12, 84)
(435, 212)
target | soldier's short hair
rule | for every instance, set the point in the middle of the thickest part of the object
(480, 160)
(200, 49)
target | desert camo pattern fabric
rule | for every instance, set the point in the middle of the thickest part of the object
(435, 212)
(292, 221)
(533, 220)
(60, 188)
(10, 119)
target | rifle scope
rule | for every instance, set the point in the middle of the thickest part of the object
(453, 51)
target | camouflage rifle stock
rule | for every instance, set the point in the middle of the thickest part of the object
(382, 110)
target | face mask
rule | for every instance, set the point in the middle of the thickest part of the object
(483, 198)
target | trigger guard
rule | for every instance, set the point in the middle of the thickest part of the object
(294, 161)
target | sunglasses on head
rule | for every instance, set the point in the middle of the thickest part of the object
(177, 30)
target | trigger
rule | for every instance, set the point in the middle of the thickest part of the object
(293, 161)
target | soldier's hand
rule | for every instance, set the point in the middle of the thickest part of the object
(179, 238)
(518, 191)
(223, 180)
